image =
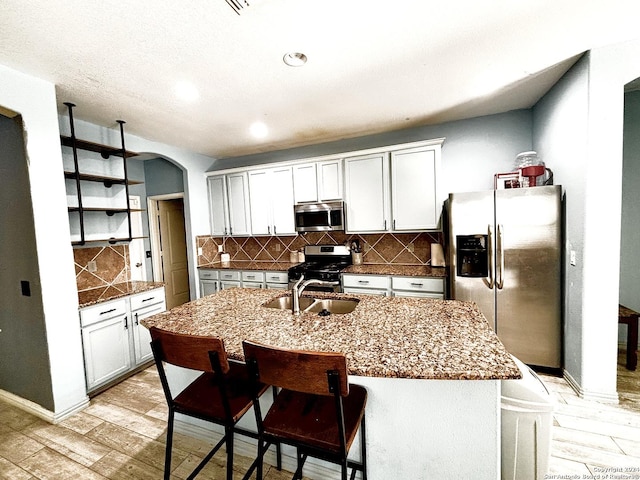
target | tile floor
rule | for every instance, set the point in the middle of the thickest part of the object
(121, 436)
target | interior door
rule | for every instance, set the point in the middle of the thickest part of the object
(173, 245)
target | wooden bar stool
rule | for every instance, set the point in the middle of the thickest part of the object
(317, 410)
(630, 318)
(222, 394)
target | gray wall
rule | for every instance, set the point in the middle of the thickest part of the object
(630, 228)
(24, 356)
(162, 177)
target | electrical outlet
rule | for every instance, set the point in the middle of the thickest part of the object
(277, 247)
(199, 250)
(92, 266)
(220, 249)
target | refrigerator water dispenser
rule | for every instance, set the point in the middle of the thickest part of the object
(472, 256)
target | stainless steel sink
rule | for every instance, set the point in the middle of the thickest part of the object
(284, 303)
(333, 306)
(315, 305)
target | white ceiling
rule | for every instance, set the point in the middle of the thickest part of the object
(374, 65)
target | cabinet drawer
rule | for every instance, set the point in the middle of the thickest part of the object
(142, 300)
(366, 281)
(252, 276)
(277, 277)
(208, 274)
(418, 284)
(229, 275)
(102, 311)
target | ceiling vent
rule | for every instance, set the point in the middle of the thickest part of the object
(239, 5)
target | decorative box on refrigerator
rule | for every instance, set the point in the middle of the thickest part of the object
(505, 254)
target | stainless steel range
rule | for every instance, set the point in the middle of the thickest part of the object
(323, 262)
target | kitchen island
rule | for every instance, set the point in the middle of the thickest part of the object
(432, 368)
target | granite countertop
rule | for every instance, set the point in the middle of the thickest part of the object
(383, 337)
(397, 269)
(87, 298)
(250, 265)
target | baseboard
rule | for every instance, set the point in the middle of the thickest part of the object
(40, 412)
(589, 395)
(313, 469)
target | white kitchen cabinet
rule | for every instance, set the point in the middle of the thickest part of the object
(423, 287)
(414, 197)
(209, 283)
(318, 181)
(394, 191)
(229, 279)
(330, 180)
(367, 193)
(271, 201)
(144, 305)
(366, 284)
(252, 279)
(305, 183)
(113, 340)
(277, 280)
(105, 342)
(229, 204)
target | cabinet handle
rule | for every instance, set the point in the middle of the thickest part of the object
(385, 224)
(251, 276)
(416, 284)
(363, 282)
(394, 223)
(147, 299)
(274, 278)
(230, 231)
(107, 311)
(137, 322)
(268, 229)
(126, 323)
(274, 230)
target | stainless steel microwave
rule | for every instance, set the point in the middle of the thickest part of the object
(319, 217)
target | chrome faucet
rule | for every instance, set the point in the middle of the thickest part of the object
(299, 287)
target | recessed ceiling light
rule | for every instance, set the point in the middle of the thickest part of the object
(295, 59)
(259, 130)
(186, 91)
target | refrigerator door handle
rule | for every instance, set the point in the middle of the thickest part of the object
(500, 277)
(492, 258)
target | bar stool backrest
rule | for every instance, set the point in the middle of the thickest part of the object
(190, 351)
(298, 370)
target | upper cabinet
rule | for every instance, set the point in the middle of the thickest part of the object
(386, 189)
(394, 190)
(229, 204)
(271, 201)
(318, 181)
(97, 187)
(367, 192)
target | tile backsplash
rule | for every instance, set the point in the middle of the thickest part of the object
(377, 248)
(111, 262)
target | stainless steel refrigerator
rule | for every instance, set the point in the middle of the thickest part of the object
(505, 254)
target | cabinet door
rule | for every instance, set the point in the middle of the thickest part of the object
(238, 198)
(260, 202)
(413, 190)
(305, 183)
(366, 192)
(106, 350)
(218, 207)
(282, 201)
(141, 336)
(208, 287)
(330, 180)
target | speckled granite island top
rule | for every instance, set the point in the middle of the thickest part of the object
(383, 336)
(87, 298)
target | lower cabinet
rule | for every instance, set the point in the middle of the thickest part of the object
(396, 286)
(212, 280)
(113, 340)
